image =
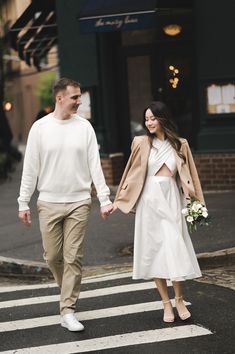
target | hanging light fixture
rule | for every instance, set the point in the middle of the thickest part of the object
(173, 78)
(172, 29)
(8, 106)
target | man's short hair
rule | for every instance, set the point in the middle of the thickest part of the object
(62, 84)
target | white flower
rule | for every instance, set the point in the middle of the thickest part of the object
(189, 218)
(195, 207)
(195, 213)
(184, 211)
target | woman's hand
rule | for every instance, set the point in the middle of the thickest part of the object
(114, 208)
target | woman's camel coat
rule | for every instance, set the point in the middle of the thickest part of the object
(134, 175)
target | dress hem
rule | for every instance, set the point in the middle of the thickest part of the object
(180, 278)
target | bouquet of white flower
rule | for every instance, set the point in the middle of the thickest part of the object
(195, 214)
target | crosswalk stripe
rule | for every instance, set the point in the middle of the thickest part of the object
(83, 316)
(94, 279)
(105, 277)
(5, 289)
(120, 340)
(84, 294)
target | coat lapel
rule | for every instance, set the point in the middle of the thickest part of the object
(144, 155)
(178, 161)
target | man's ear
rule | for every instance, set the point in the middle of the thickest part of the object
(58, 97)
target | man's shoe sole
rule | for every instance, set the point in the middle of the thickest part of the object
(72, 330)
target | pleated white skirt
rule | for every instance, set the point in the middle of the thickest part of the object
(162, 245)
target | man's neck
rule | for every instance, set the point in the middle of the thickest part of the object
(58, 114)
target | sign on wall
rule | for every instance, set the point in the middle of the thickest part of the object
(221, 98)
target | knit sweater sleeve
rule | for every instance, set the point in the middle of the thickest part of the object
(30, 169)
(96, 172)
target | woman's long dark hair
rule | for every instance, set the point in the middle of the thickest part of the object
(163, 115)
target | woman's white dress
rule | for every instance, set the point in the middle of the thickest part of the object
(162, 245)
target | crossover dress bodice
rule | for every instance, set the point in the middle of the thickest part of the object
(161, 153)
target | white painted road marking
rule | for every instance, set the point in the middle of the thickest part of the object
(88, 280)
(117, 341)
(83, 295)
(83, 316)
(95, 279)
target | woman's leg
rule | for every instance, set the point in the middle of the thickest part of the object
(168, 310)
(182, 310)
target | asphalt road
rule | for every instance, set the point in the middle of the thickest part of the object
(107, 322)
(105, 239)
(120, 316)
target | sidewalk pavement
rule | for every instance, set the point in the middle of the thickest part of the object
(108, 244)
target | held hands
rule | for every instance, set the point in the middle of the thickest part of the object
(114, 208)
(25, 217)
(106, 210)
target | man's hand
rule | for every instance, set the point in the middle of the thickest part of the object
(25, 217)
(106, 210)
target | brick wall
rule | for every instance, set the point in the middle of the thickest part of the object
(113, 167)
(216, 170)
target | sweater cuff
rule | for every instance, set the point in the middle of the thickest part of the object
(23, 206)
(104, 200)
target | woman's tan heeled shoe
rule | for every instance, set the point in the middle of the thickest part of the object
(185, 314)
(169, 318)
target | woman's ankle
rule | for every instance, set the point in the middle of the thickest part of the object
(179, 298)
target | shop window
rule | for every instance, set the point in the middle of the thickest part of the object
(220, 98)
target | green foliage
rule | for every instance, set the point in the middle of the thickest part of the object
(44, 89)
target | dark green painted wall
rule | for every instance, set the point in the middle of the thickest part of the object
(77, 53)
(97, 62)
(215, 33)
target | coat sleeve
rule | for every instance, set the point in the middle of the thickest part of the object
(127, 168)
(194, 175)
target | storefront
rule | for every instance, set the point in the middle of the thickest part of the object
(128, 53)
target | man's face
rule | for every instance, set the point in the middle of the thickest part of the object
(69, 100)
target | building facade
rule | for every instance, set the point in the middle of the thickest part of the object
(22, 79)
(127, 53)
(124, 68)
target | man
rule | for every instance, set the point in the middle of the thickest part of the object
(62, 159)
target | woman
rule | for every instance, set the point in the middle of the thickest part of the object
(159, 176)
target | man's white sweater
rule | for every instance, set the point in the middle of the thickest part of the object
(62, 159)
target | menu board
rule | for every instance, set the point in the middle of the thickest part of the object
(221, 98)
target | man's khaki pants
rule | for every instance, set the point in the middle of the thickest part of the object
(62, 226)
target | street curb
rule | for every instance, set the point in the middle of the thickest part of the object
(18, 268)
(216, 259)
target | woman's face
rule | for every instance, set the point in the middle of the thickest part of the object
(151, 122)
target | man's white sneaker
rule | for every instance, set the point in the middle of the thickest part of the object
(70, 322)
